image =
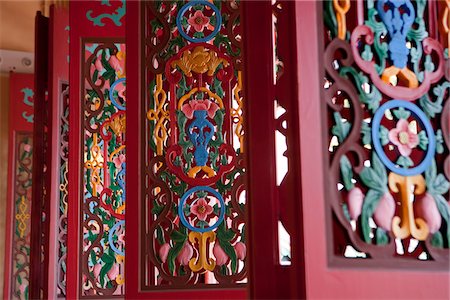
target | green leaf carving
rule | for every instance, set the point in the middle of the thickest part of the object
(436, 183)
(381, 237)
(341, 129)
(370, 203)
(405, 161)
(401, 113)
(367, 54)
(439, 142)
(423, 140)
(384, 135)
(366, 133)
(429, 66)
(160, 235)
(437, 241)
(375, 177)
(347, 174)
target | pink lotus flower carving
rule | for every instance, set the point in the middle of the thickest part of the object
(199, 21)
(193, 105)
(163, 252)
(201, 209)
(241, 250)
(185, 254)
(220, 255)
(384, 212)
(355, 200)
(426, 209)
(403, 138)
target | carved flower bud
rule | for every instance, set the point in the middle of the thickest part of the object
(97, 269)
(113, 272)
(163, 252)
(241, 250)
(185, 254)
(426, 209)
(220, 255)
(385, 212)
(354, 201)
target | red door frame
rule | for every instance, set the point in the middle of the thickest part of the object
(323, 280)
(40, 203)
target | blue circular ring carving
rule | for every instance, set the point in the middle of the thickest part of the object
(110, 238)
(203, 39)
(111, 91)
(183, 201)
(424, 122)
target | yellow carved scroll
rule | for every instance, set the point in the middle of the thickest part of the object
(341, 7)
(236, 113)
(194, 171)
(405, 74)
(22, 216)
(95, 164)
(159, 115)
(202, 262)
(407, 224)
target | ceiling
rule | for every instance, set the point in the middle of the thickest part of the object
(17, 24)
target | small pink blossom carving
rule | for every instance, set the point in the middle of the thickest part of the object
(118, 160)
(201, 209)
(220, 255)
(354, 201)
(163, 252)
(185, 254)
(426, 209)
(193, 105)
(22, 288)
(198, 21)
(385, 212)
(403, 138)
(27, 147)
(241, 250)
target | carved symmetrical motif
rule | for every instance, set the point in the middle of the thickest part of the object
(103, 209)
(194, 208)
(22, 217)
(387, 96)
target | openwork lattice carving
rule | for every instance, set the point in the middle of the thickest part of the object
(194, 209)
(103, 209)
(63, 186)
(387, 96)
(22, 216)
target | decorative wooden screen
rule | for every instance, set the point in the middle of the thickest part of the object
(193, 214)
(97, 163)
(18, 215)
(386, 90)
(190, 231)
(58, 193)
